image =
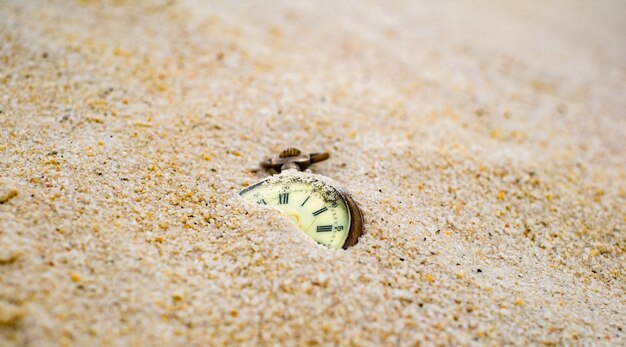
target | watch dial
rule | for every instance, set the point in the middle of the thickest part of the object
(316, 207)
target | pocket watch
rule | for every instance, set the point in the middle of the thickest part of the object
(321, 209)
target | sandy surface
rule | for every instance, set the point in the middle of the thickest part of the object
(484, 141)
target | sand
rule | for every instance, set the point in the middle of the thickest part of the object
(483, 140)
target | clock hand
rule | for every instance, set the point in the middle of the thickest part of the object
(313, 222)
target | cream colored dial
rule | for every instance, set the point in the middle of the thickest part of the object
(316, 207)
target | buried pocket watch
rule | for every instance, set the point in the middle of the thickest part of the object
(327, 214)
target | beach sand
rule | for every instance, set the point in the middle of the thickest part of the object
(484, 141)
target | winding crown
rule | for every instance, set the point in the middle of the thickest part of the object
(290, 152)
(293, 158)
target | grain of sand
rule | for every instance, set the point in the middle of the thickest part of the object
(483, 140)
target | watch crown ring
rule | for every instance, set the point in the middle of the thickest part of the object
(290, 152)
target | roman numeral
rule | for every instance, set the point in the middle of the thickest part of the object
(262, 201)
(283, 198)
(324, 228)
(320, 211)
(305, 200)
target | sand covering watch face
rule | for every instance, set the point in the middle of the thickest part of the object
(317, 208)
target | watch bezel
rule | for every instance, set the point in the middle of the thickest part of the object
(356, 220)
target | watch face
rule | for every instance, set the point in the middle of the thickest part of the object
(319, 209)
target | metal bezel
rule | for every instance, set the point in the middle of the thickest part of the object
(356, 220)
